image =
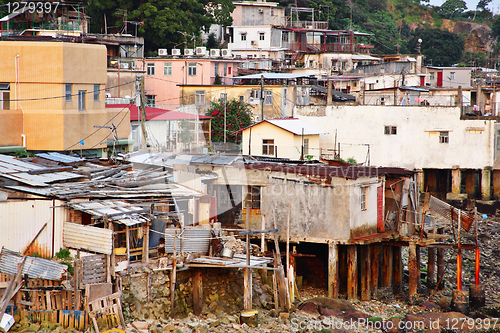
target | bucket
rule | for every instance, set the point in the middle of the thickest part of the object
(227, 253)
(460, 301)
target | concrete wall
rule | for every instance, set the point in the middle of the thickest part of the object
(252, 40)
(287, 145)
(44, 68)
(248, 13)
(416, 144)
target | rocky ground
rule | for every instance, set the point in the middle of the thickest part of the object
(314, 312)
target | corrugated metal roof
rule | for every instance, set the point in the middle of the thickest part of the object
(86, 237)
(193, 239)
(112, 208)
(34, 267)
(15, 169)
(272, 76)
(58, 157)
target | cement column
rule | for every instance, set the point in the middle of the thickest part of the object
(333, 270)
(456, 180)
(486, 183)
(352, 272)
(365, 272)
(421, 180)
(397, 277)
(329, 93)
(413, 271)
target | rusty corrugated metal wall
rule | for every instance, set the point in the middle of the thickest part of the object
(20, 221)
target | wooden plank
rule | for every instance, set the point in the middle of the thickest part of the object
(375, 263)
(333, 271)
(365, 272)
(197, 291)
(352, 272)
(397, 264)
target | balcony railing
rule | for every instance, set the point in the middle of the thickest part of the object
(316, 25)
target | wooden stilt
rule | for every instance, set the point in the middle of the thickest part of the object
(197, 291)
(375, 263)
(397, 264)
(333, 270)
(413, 271)
(365, 272)
(387, 271)
(352, 272)
(440, 265)
(431, 269)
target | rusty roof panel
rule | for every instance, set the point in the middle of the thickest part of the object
(194, 240)
(34, 267)
(86, 237)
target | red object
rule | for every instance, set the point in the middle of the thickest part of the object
(380, 209)
(422, 81)
(459, 271)
(477, 266)
(156, 113)
(440, 79)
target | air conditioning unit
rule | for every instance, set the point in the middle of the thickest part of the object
(215, 53)
(254, 43)
(162, 52)
(335, 69)
(201, 50)
(226, 53)
(176, 52)
(124, 65)
(188, 52)
(261, 10)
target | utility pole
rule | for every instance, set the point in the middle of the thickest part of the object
(261, 97)
(143, 114)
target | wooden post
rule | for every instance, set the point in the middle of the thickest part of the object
(333, 270)
(397, 264)
(387, 262)
(247, 297)
(288, 240)
(419, 260)
(262, 227)
(413, 271)
(112, 258)
(352, 272)
(375, 262)
(145, 244)
(197, 291)
(127, 239)
(440, 265)
(365, 272)
(431, 269)
(173, 277)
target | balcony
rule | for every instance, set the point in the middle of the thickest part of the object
(315, 25)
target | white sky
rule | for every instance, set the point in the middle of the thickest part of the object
(471, 5)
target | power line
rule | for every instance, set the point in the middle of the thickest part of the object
(98, 129)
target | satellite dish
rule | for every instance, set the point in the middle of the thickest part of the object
(419, 40)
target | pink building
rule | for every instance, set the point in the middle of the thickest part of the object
(164, 75)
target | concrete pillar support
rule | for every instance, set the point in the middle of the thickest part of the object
(456, 180)
(486, 183)
(414, 272)
(421, 180)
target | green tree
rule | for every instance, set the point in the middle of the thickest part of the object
(495, 28)
(212, 42)
(452, 8)
(441, 47)
(238, 116)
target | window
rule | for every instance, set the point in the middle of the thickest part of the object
(81, 99)
(306, 147)
(97, 93)
(363, 195)
(167, 68)
(69, 92)
(269, 97)
(253, 195)
(243, 37)
(284, 36)
(432, 76)
(216, 68)
(444, 137)
(4, 96)
(242, 99)
(223, 97)
(452, 75)
(371, 86)
(150, 100)
(150, 68)
(229, 70)
(255, 93)
(199, 97)
(390, 130)
(192, 69)
(261, 36)
(268, 147)
(498, 140)
(225, 69)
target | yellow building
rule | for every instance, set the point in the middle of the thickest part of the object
(282, 138)
(52, 97)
